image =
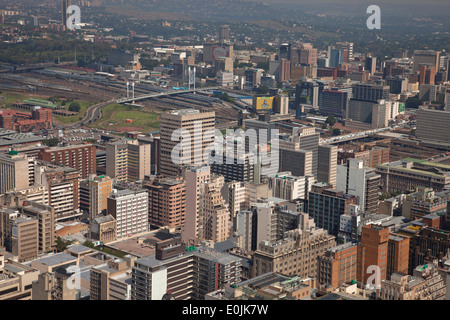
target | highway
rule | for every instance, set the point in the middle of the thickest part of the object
(93, 113)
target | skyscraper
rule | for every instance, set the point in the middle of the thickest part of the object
(197, 132)
(64, 5)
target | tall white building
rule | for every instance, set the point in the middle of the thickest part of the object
(130, 209)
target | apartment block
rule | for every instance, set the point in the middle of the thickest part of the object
(166, 202)
(100, 187)
(16, 171)
(80, 157)
(127, 160)
(130, 209)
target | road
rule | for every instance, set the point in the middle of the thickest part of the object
(93, 113)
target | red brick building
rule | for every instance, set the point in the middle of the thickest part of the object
(40, 118)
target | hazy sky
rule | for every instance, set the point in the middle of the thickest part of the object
(401, 7)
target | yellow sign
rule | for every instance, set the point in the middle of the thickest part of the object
(263, 103)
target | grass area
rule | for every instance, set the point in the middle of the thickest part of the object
(84, 105)
(115, 116)
(11, 97)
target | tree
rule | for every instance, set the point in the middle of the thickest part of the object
(52, 142)
(331, 120)
(336, 132)
(413, 102)
(74, 107)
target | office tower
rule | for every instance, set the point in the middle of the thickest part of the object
(243, 226)
(80, 157)
(223, 64)
(338, 265)
(103, 228)
(224, 34)
(112, 280)
(155, 152)
(429, 57)
(425, 283)
(47, 223)
(334, 103)
(397, 84)
(398, 255)
(19, 234)
(216, 215)
(166, 202)
(353, 178)
(432, 125)
(284, 70)
(326, 205)
(285, 51)
(370, 65)
(130, 209)
(370, 92)
(408, 174)
(309, 91)
(281, 104)
(304, 247)
(16, 171)
(346, 46)
(184, 272)
(127, 160)
(336, 57)
(100, 188)
(2, 17)
(427, 74)
(307, 54)
(252, 78)
(286, 186)
(194, 178)
(298, 162)
(199, 125)
(64, 6)
(240, 167)
(62, 188)
(366, 114)
(372, 251)
(327, 164)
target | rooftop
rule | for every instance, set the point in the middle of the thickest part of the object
(56, 259)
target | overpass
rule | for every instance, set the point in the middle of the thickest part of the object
(162, 94)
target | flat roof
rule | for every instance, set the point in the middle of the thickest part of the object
(56, 259)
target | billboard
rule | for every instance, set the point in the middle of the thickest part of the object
(402, 107)
(263, 103)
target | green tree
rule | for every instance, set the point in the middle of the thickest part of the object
(331, 120)
(413, 102)
(336, 132)
(52, 142)
(74, 107)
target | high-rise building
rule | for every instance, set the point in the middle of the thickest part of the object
(127, 160)
(338, 265)
(326, 205)
(100, 187)
(166, 202)
(80, 157)
(284, 70)
(432, 125)
(286, 186)
(194, 178)
(429, 57)
(327, 164)
(16, 171)
(130, 209)
(372, 251)
(353, 178)
(46, 223)
(346, 46)
(309, 91)
(370, 64)
(370, 92)
(224, 34)
(197, 130)
(64, 5)
(334, 103)
(61, 188)
(398, 255)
